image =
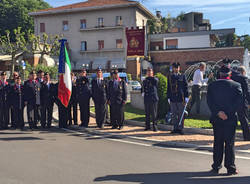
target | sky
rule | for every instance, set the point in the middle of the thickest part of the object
(221, 13)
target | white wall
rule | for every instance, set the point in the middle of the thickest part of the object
(199, 41)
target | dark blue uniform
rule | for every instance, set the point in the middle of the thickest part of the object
(32, 97)
(224, 95)
(73, 105)
(62, 110)
(243, 110)
(83, 95)
(4, 104)
(17, 101)
(117, 96)
(99, 95)
(47, 103)
(150, 91)
(177, 92)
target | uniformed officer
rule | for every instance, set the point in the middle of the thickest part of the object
(99, 95)
(40, 76)
(17, 98)
(149, 91)
(62, 110)
(117, 97)
(83, 95)
(4, 101)
(47, 101)
(32, 99)
(239, 76)
(73, 102)
(224, 98)
(12, 82)
(177, 94)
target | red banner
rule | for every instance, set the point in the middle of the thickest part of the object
(136, 42)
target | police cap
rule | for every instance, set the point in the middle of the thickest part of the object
(176, 65)
(99, 69)
(225, 69)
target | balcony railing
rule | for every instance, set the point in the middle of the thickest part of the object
(103, 50)
(97, 28)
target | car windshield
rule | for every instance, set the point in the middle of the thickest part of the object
(135, 83)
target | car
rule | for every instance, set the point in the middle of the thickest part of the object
(135, 85)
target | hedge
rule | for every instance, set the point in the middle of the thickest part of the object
(163, 106)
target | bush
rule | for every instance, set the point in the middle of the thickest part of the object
(163, 106)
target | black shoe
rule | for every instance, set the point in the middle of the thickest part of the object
(114, 127)
(214, 171)
(181, 132)
(155, 129)
(174, 132)
(232, 172)
(120, 127)
(147, 129)
(35, 127)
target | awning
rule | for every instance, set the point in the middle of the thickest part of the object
(118, 63)
(100, 62)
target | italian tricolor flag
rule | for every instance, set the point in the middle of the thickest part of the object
(65, 82)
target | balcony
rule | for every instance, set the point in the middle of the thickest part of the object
(103, 50)
(99, 28)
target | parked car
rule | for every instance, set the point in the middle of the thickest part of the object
(135, 85)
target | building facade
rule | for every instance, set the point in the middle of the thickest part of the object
(95, 30)
(189, 48)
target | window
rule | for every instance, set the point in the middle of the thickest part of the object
(42, 27)
(83, 24)
(143, 23)
(119, 44)
(100, 22)
(65, 25)
(172, 44)
(118, 20)
(83, 46)
(101, 44)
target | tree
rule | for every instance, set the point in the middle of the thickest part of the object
(44, 45)
(13, 47)
(246, 42)
(14, 13)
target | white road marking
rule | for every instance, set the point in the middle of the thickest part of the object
(149, 145)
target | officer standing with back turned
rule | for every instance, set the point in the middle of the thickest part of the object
(224, 98)
(149, 91)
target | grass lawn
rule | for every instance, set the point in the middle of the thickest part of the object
(130, 113)
(194, 121)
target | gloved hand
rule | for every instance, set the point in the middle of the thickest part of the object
(186, 100)
(142, 94)
(169, 101)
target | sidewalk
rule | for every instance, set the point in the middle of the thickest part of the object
(190, 139)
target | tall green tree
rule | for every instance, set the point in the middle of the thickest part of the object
(14, 13)
(13, 47)
(44, 45)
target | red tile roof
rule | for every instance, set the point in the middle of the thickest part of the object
(89, 3)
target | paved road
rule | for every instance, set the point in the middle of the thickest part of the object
(64, 157)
